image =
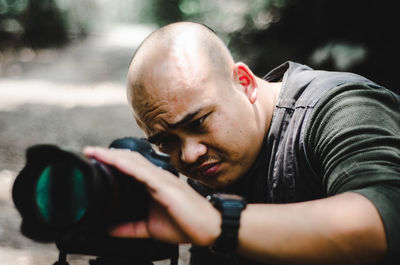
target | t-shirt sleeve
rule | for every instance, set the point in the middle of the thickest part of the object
(353, 142)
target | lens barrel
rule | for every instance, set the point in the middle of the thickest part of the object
(59, 192)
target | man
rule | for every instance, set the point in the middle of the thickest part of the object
(316, 154)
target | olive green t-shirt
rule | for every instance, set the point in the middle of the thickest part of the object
(353, 143)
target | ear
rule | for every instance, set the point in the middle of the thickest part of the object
(245, 77)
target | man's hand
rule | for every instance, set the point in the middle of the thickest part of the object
(177, 213)
(344, 229)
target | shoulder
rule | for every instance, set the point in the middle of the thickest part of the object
(354, 103)
(354, 125)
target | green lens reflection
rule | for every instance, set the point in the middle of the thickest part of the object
(61, 194)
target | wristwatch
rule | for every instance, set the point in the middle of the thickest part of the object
(230, 206)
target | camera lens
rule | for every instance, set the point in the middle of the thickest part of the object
(61, 194)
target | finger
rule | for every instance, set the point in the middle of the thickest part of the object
(130, 230)
(99, 153)
(134, 164)
(128, 162)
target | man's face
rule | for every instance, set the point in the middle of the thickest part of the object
(208, 127)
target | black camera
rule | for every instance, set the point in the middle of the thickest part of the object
(72, 200)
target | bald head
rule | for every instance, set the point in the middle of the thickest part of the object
(185, 52)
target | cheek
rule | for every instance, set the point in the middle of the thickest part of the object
(227, 135)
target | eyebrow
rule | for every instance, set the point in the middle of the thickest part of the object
(187, 118)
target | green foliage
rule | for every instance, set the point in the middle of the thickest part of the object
(33, 23)
(224, 16)
(12, 7)
(357, 36)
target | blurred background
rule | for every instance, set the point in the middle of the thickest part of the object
(63, 65)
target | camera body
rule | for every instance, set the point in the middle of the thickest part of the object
(72, 200)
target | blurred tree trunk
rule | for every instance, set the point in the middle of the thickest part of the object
(43, 24)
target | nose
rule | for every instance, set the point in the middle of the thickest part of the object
(191, 150)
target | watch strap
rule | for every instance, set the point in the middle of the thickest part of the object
(230, 207)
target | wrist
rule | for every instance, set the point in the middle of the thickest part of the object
(216, 226)
(209, 226)
(230, 208)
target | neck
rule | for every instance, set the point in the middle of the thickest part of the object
(268, 93)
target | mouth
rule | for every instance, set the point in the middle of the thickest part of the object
(209, 169)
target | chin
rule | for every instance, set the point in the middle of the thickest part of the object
(218, 183)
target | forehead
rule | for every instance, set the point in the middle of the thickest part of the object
(174, 83)
(171, 104)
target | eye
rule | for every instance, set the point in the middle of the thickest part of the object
(198, 125)
(167, 143)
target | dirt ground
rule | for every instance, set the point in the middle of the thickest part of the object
(72, 97)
